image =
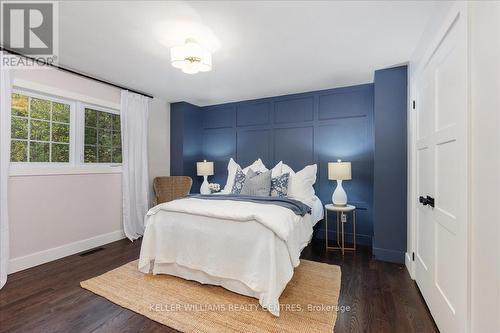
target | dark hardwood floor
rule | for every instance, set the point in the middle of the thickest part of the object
(48, 298)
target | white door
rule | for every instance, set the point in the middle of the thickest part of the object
(441, 243)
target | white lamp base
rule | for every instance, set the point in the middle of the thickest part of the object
(339, 197)
(204, 187)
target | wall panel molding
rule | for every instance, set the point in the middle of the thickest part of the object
(248, 114)
(300, 129)
(219, 117)
(294, 110)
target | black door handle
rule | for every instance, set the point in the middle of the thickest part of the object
(430, 201)
(426, 201)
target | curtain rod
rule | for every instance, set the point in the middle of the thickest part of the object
(64, 69)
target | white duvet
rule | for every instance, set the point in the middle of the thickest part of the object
(245, 247)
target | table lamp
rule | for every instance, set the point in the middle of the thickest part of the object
(339, 171)
(205, 169)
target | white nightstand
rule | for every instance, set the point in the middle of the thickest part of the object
(341, 219)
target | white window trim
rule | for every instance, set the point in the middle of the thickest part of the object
(77, 128)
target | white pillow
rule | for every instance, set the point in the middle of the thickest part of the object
(277, 170)
(232, 167)
(256, 166)
(300, 184)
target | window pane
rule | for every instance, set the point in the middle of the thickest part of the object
(39, 151)
(104, 137)
(60, 112)
(117, 155)
(60, 152)
(40, 130)
(104, 154)
(19, 105)
(90, 136)
(18, 151)
(19, 128)
(90, 154)
(40, 109)
(116, 122)
(104, 120)
(60, 133)
(90, 118)
(117, 140)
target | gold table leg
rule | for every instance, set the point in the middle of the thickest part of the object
(354, 228)
(341, 228)
(338, 228)
(326, 229)
(342, 222)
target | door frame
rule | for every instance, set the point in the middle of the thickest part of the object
(458, 9)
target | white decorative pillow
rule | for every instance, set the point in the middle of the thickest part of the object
(256, 166)
(300, 184)
(277, 170)
(232, 167)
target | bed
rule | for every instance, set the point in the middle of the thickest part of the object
(246, 247)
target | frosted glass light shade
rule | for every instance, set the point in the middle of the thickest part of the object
(191, 58)
(205, 168)
(206, 62)
(177, 56)
(339, 170)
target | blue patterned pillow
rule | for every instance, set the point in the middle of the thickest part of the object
(279, 185)
(239, 180)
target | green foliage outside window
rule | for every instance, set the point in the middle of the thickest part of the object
(19, 105)
(60, 112)
(18, 151)
(102, 137)
(40, 108)
(40, 130)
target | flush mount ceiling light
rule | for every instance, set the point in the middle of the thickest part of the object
(191, 58)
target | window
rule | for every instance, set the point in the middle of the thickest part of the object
(50, 131)
(102, 137)
(40, 130)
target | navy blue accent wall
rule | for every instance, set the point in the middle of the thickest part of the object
(364, 124)
(390, 164)
(299, 129)
(185, 139)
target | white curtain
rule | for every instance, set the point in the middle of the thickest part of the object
(5, 91)
(134, 121)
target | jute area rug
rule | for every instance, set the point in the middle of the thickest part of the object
(308, 304)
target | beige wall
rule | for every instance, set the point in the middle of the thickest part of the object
(159, 140)
(55, 210)
(54, 215)
(484, 18)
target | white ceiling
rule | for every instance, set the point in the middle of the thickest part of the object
(260, 48)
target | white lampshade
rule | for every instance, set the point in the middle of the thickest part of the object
(205, 168)
(339, 170)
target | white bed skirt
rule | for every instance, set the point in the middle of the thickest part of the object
(204, 278)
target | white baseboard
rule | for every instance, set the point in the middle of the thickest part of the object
(38, 258)
(409, 265)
